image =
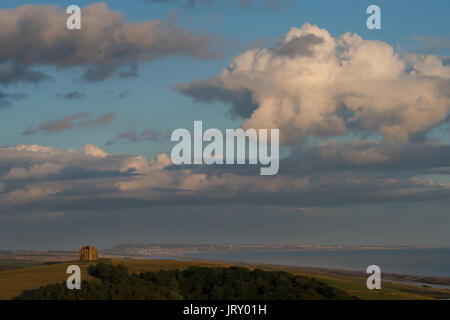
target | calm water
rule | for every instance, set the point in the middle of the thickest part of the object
(431, 262)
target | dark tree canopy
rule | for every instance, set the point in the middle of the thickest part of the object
(195, 283)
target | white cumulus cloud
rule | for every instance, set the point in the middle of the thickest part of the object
(312, 84)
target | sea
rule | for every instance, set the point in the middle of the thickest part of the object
(425, 262)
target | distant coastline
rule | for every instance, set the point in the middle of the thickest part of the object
(273, 255)
(149, 249)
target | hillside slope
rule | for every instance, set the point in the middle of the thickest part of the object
(14, 282)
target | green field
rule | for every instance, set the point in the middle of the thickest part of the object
(14, 282)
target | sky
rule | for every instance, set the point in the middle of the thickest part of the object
(86, 117)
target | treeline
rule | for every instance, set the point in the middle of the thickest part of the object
(196, 283)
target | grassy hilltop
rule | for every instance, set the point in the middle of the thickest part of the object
(14, 283)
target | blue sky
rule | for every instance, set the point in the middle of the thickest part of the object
(381, 179)
(151, 101)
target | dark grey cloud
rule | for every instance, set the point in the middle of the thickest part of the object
(11, 73)
(124, 94)
(102, 119)
(433, 44)
(370, 157)
(52, 126)
(6, 98)
(147, 134)
(242, 3)
(327, 176)
(107, 45)
(128, 135)
(72, 95)
(324, 191)
(79, 119)
(299, 46)
(242, 104)
(150, 134)
(445, 61)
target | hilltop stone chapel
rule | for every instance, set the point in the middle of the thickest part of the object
(88, 253)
